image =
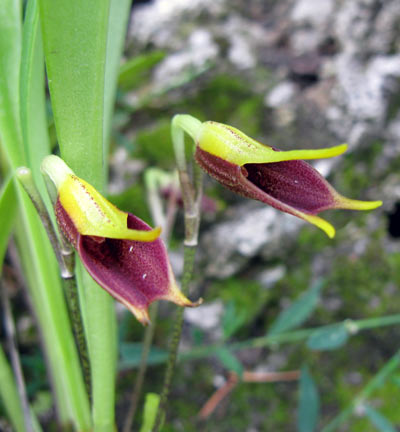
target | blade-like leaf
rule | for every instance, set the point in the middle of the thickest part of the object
(232, 319)
(37, 258)
(10, 57)
(229, 361)
(75, 43)
(136, 70)
(328, 338)
(308, 411)
(33, 97)
(381, 423)
(76, 40)
(8, 208)
(150, 412)
(298, 312)
(9, 395)
(118, 19)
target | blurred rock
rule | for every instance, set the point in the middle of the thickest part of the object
(206, 317)
(252, 227)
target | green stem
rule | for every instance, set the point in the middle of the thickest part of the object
(294, 336)
(66, 261)
(189, 255)
(372, 385)
(71, 292)
(66, 265)
(282, 338)
(155, 179)
(183, 123)
(147, 341)
(192, 190)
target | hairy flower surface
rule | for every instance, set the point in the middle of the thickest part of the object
(120, 251)
(278, 178)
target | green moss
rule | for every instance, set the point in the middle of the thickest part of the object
(354, 177)
(247, 296)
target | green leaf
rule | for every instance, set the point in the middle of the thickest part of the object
(75, 43)
(8, 207)
(328, 338)
(379, 421)
(10, 49)
(33, 97)
(308, 410)
(9, 395)
(232, 319)
(298, 312)
(81, 76)
(131, 354)
(150, 412)
(136, 70)
(37, 258)
(117, 23)
(229, 361)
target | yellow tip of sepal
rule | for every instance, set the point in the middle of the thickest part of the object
(350, 204)
(320, 223)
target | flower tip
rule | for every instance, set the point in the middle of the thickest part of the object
(341, 148)
(197, 303)
(142, 315)
(320, 223)
(350, 204)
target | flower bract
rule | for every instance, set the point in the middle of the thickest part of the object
(120, 251)
(279, 178)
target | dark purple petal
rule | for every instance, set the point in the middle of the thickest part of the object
(289, 186)
(294, 183)
(135, 273)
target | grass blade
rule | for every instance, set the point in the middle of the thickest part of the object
(78, 30)
(308, 403)
(37, 257)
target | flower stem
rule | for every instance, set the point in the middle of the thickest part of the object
(71, 292)
(189, 255)
(192, 190)
(147, 341)
(155, 179)
(66, 261)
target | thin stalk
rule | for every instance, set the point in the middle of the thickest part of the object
(154, 181)
(192, 189)
(353, 327)
(15, 361)
(189, 255)
(372, 385)
(137, 390)
(289, 337)
(63, 255)
(71, 292)
(66, 261)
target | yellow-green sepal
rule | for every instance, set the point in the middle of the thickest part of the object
(89, 211)
(94, 215)
(232, 145)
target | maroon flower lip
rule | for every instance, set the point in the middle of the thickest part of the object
(291, 186)
(135, 273)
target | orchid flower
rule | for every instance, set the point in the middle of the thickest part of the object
(280, 179)
(120, 251)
